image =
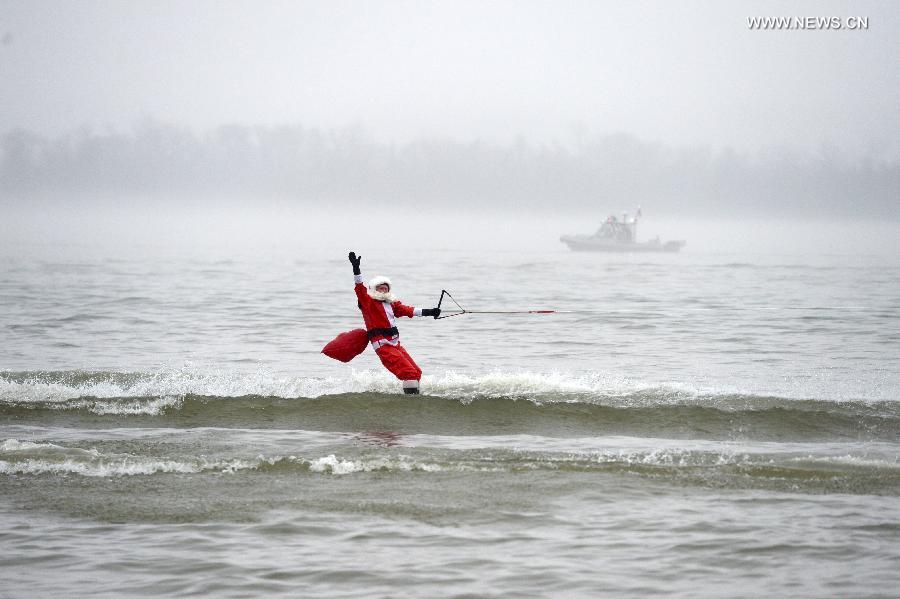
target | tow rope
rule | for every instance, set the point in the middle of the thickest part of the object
(464, 311)
(645, 311)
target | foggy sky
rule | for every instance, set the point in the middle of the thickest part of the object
(682, 73)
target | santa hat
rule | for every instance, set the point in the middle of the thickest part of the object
(379, 280)
(387, 296)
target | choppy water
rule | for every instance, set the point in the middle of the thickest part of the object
(693, 425)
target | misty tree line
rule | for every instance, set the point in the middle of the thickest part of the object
(314, 166)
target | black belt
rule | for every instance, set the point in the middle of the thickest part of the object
(383, 332)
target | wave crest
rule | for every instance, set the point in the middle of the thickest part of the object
(50, 387)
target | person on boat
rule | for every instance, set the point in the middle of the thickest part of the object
(380, 308)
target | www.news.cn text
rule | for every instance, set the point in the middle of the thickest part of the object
(808, 23)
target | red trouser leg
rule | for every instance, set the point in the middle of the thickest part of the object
(400, 363)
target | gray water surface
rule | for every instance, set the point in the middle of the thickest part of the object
(688, 425)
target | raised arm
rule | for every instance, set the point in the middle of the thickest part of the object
(357, 276)
(354, 260)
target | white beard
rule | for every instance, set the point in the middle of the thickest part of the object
(383, 297)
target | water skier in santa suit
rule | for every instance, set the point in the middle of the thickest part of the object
(380, 308)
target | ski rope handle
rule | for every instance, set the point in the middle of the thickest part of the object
(460, 313)
(464, 311)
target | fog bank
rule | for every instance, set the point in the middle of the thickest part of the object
(307, 167)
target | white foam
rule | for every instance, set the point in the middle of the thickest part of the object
(522, 384)
(154, 392)
(526, 385)
(151, 407)
(670, 457)
(16, 445)
(217, 383)
(165, 383)
(25, 457)
(888, 463)
(331, 464)
(101, 469)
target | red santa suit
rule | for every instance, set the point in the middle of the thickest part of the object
(380, 314)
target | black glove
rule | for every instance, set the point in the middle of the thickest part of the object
(431, 312)
(355, 262)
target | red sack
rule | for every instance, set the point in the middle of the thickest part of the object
(347, 346)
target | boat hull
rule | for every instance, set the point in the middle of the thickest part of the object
(579, 243)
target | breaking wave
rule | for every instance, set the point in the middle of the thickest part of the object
(61, 386)
(865, 474)
(497, 403)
